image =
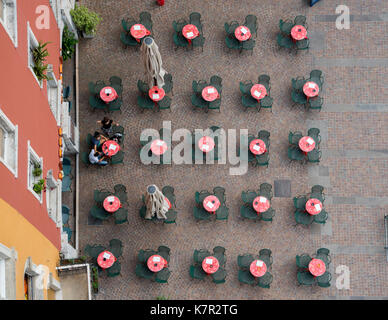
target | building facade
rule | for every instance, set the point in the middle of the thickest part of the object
(32, 145)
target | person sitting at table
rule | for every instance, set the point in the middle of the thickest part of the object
(106, 125)
(96, 157)
(98, 140)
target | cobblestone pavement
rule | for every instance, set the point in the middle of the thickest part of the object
(354, 134)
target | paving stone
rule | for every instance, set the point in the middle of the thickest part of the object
(283, 188)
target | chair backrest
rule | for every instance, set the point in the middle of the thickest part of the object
(115, 80)
(264, 78)
(300, 20)
(142, 86)
(216, 80)
(264, 134)
(317, 189)
(195, 17)
(324, 251)
(315, 73)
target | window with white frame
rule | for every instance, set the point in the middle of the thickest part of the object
(35, 181)
(8, 18)
(32, 45)
(7, 273)
(53, 94)
(8, 143)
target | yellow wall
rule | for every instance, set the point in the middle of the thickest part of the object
(17, 232)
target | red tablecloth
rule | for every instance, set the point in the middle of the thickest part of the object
(156, 263)
(258, 91)
(110, 148)
(156, 93)
(313, 206)
(306, 144)
(257, 146)
(111, 204)
(210, 93)
(138, 31)
(242, 33)
(206, 144)
(317, 267)
(158, 147)
(108, 94)
(211, 203)
(106, 259)
(261, 204)
(210, 264)
(311, 89)
(168, 202)
(190, 31)
(298, 32)
(258, 268)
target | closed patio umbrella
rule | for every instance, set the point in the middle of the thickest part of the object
(154, 71)
(155, 203)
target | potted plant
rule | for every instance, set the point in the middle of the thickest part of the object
(39, 186)
(37, 170)
(68, 43)
(95, 280)
(40, 53)
(85, 20)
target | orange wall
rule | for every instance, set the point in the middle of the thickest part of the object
(26, 105)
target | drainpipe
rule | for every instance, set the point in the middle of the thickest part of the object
(386, 234)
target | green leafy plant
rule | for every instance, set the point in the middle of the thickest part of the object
(39, 186)
(68, 43)
(162, 298)
(40, 53)
(37, 170)
(85, 20)
(95, 279)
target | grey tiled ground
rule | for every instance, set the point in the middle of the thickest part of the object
(354, 131)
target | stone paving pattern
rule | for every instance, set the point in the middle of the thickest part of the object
(353, 168)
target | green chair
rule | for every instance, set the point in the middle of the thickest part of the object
(244, 276)
(323, 251)
(251, 23)
(143, 87)
(216, 82)
(263, 159)
(97, 103)
(92, 88)
(116, 247)
(315, 103)
(295, 153)
(244, 261)
(298, 97)
(219, 192)
(294, 137)
(303, 261)
(198, 41)
(314, 156)
(264, 79)
(317, 188)
(215, 105)
(66, 184)
(305, 278)
(99, 213)
(232, 42)
(164, 252)
(315, 134)
(300, 202)
(317, 76)
(265, 190)
(298, 83)
(268, 215)
(115, 105)
(249, 45)
(222, 213)
(266, 256)
(323, 254)
(303, 44)
(120, 188)
(143, 272)
(321, 217)
(266, 102)
(93, 251)
(284, 41)
(128, 40)
(199, 255)
(200, 196)
(247, 212)
(145, 20)
(265, 281)
(66, 166)
(100, 195)
(317, 195)
(121, 216)
(249, 102)
(219, 276)
(168, 191)
(180, 41)
(245, 87)
(196, 272)
(285, 26)
(125, 25)
(324, 280)
(114, 270)
(163, 275)
(198, 102)
(65, 214)
(248, 196)
(302, 217)
(171, 217)
(89, 142)
(176, 26)
(115, 80)
(144, 255)
(118, 88)
(99, 85)
(300, 20)
(66, 92)
(144, 102)
(264, 135)
(168, 83)
(231, 27)
(219, 254)
(165, 103)
(117, 158)
(201, 214)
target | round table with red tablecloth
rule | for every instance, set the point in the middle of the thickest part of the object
(190, 31)
(261, 204)
(156, 93)
(138, 31)
(156, 263)
(317, 267)
(206, 144)
(158, 147)
(108, 94)
(298, 32)
(258, 91)
(111, 204)
(306, 144)
(106, 259)
(211, 203)
(313, 206)
(257, 146)
(210, 264)
(210, 93)
(242, 33)
(310, 89)
(258, 268)
(110, 148)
